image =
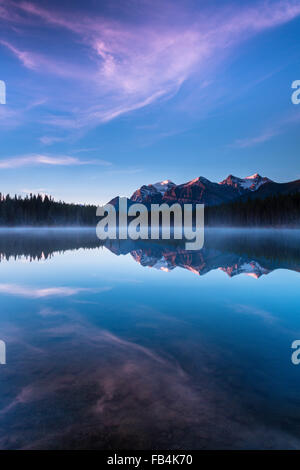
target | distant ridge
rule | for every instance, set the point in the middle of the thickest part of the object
(203, 191)
(254, 201)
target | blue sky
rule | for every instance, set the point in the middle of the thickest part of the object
(103, 97)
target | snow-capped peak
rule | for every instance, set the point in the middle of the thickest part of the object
(163, 186)
(156, 190)
(255, 181)
(252, 177)
(251, 183)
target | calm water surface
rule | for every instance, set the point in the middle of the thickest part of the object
(143, 345)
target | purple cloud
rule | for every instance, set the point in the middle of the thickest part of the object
(131, 65)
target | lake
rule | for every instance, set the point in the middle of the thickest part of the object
(144, 345)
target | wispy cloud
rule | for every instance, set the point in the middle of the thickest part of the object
(9, 118)
(132, 65)
(49, 140)
(27, 58)
(41, 191)
(252, 310)
(255, 140)
(43, 64)
(38, 293)
(278, 127)
(31, 160)
(124, 171)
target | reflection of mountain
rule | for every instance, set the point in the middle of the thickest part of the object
(199, 262)
(252, 268)
(233, 253)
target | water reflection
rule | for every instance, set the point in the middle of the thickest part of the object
(233, 251)
(41, 244)
(104, 354)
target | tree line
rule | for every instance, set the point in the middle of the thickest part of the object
(273, 211)
(38, 210)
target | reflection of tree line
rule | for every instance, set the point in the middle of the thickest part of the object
(272, 247)
(39, 245)
(228, 250)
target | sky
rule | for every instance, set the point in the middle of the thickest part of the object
(105, 96)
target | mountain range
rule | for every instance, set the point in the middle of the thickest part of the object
(203, 191)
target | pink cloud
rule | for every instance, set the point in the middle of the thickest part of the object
(27, 58)
(133, 65)
(42, 64)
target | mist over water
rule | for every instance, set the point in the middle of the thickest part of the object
(104, 352)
